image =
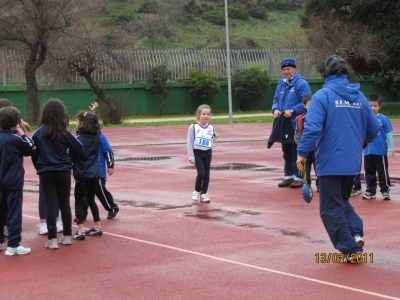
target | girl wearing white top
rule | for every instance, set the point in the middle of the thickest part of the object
(199, 144)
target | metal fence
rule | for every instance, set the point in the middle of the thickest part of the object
(180, 62)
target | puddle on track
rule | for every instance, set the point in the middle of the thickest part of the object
(230, 217)
(240, 166)
(144, 158)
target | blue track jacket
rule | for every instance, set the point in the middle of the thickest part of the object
(12, 150)
(290, 96)
(106, 156)
(53, 155)
(339, 122)
(86, 166)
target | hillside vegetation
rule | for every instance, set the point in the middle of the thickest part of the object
(196, 24)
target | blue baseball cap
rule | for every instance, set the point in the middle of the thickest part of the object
(288, 62)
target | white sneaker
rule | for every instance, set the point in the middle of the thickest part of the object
(1, 247)
(205, 198)
(60, 227)
(51, 244)
(196, 196)
(20, 250)
(65, 240)
(42, 228)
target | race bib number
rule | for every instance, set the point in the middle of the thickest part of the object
(203, 142)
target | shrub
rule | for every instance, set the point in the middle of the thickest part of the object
(216, 16)
(115, 112)
(258, 12)
(238, 11)
(157, 80)
(249, 85)
(203, 87)
(149, 7)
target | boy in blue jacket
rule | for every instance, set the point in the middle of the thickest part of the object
(339, 124)
(375, 155)
(14, 144)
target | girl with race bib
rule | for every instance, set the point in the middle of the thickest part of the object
(200, 137)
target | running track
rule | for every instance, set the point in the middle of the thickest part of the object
(253, 241)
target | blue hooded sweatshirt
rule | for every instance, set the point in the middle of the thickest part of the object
(339, 122)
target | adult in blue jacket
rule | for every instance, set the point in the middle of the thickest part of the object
(288, 100)
(339, 124)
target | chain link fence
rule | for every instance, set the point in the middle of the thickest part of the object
(124, 66)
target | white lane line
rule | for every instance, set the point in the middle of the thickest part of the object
(247, 265)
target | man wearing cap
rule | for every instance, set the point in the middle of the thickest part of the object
(288, 100)
(340, 122)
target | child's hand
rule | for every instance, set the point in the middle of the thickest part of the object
(391, 153)
(19, 131)
(110, 171)
(192, 161)
(25, 126)
(93, 107)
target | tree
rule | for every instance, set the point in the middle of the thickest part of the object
(203, 87)
(91, 47)
(373, 26)
(33, 26)
(249, 85)
(157, 80)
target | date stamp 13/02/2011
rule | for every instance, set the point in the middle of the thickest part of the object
(326, 258)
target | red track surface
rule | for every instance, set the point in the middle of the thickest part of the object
(253, 241)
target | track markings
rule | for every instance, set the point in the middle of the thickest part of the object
(245, 265)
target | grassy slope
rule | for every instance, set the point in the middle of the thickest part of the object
(282, 30)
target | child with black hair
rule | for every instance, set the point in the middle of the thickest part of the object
(54, 145)
(14, 144)
(375, 155)
(87, 172)
(106, 167)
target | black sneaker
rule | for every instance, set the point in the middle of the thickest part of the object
(355, 192)
(369, 195)
(113, 213)
(79, 236)
(94, 232)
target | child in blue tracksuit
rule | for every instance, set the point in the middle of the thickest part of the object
(375, 155)
(14, 144)
(87, 172)
(106, 166)
(55, 143)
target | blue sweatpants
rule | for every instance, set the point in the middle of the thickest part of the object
(338, 215)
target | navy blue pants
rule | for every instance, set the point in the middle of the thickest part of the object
(11, 214)
(310, 162)
(337, 214)
(104, 195)
(290, 158)
(203, 165)
(376, 164)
